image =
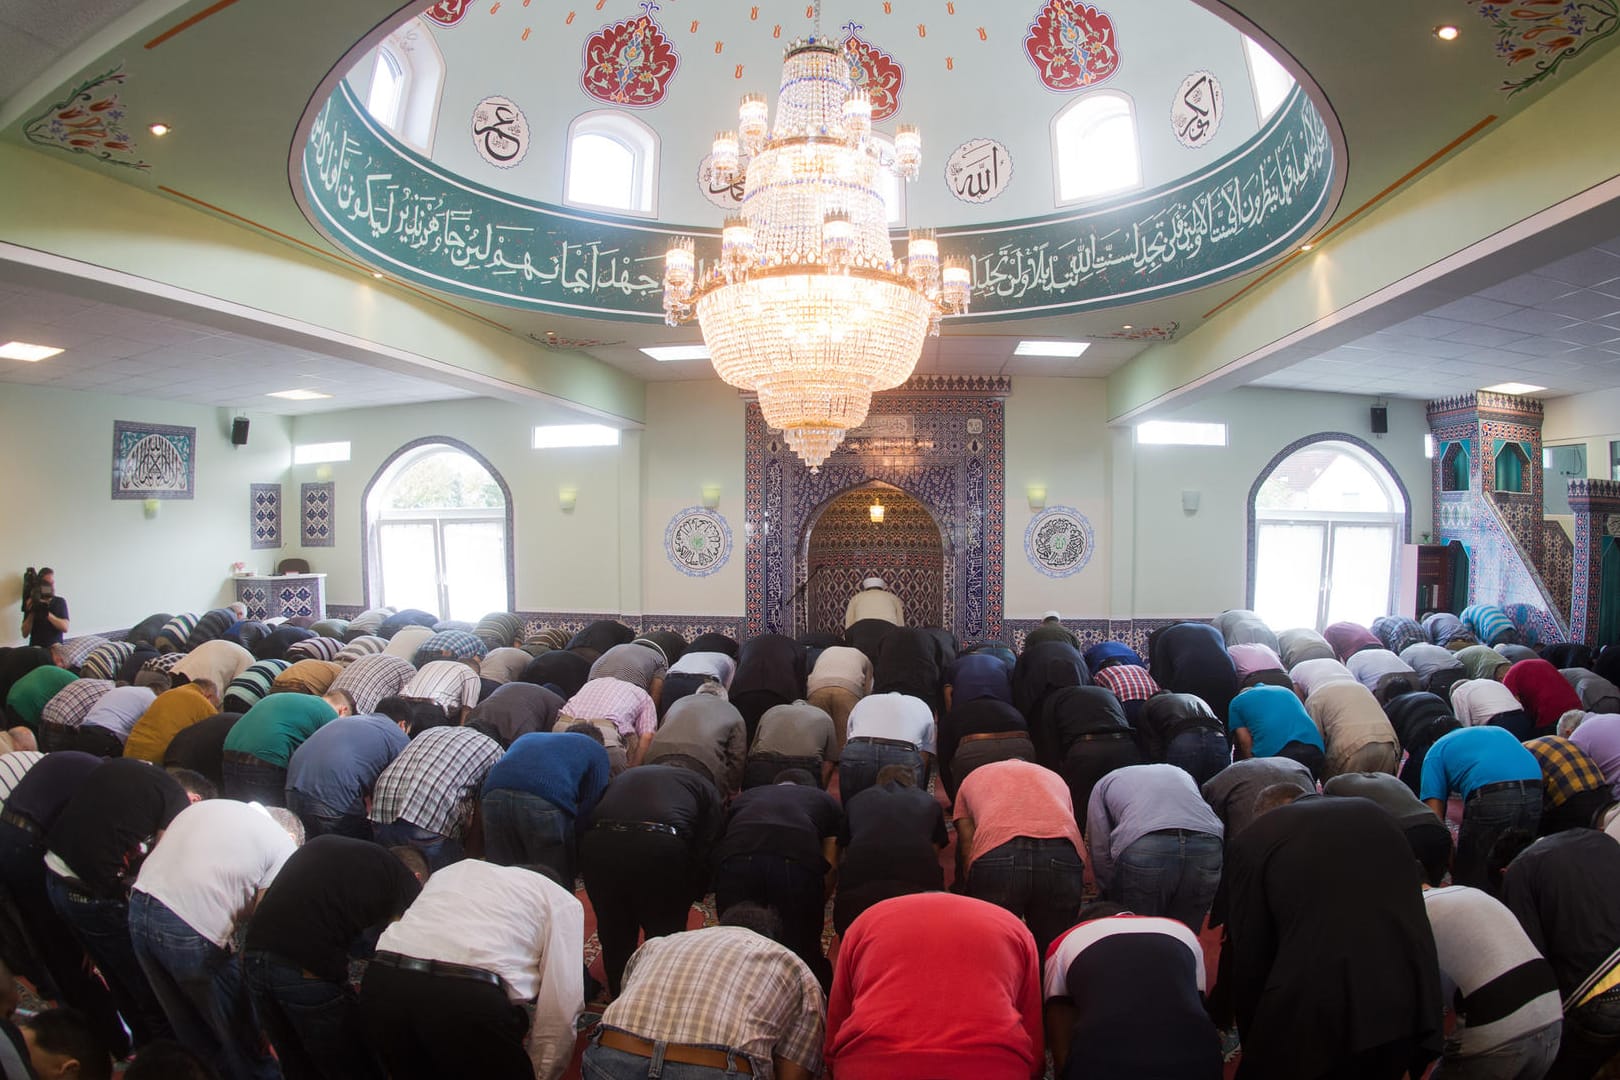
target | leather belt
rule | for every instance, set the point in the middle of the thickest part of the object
(874, 740)
(242, 757)
(680, 1053)
(1095, 736)
(23, 822)
(438, 967)
(1504, 785)
(993, 735)
(638, 826)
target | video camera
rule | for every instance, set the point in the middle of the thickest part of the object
(35, 591)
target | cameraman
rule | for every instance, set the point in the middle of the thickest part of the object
(46, 620)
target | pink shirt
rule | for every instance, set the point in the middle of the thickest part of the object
(1009, 799)
(1251, 658)
(626, 704)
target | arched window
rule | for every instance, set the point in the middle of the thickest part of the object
(612, 164)
(1270, 80)
(438, 533)
(1326, 526)
(401, 80)
(1095, 147)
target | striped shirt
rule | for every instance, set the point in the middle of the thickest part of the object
(1127, 681)
(107, 658)
(1490, 624)
(451, 645)
(364, 645)
(499, 629)
(547, 639)
(14, 766)
(251, 686)
(73, 652)
(435, 783)
(174, 634)
(371, 678)
(1566, 769)
(309, 676)
(450, 683)
(212, 625)
(627, 705)
(70, 705)
(723, 986)
(315, 648)
(369, 621)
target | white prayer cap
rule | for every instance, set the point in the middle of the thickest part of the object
(1051, 615)
(873, 583)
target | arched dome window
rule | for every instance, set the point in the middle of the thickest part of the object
(612, 164)
(400, 82)
(1271, 81)
(1094, 147)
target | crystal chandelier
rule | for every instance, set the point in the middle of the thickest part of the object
(808, 306)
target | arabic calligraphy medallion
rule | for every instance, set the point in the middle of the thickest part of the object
(697, 541)
(1072, 45)
(875, 71)
(725, 196)
(630, 62)
(500, 132)
(1058, 541)
(978, 171)
(1196, 110)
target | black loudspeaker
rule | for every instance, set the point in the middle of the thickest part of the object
(239, 430)
(1380, 421)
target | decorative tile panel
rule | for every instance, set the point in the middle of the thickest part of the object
(318, 515)
(264, 506)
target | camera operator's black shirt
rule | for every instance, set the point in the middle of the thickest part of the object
(44, 633)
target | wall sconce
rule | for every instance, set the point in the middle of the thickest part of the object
(1189, 501)
(1037, 496)
(711, 496)
(876, 510)
(150, 507)
(566, 497)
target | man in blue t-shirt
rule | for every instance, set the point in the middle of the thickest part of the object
(534, 796)
(332, 773)
(1500, 785)
(1270, 721)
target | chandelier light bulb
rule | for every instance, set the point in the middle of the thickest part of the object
(724, 162)
(907, 151)
(857, 117)
(753, 121)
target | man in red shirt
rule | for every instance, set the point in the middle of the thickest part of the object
(884, 1018)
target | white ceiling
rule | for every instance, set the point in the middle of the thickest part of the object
(33, 34)
(1557, 326)
(113, 349)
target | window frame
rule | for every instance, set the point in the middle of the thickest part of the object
(1250, 47)
(1055, 142)
(412, 50)
(645, 149)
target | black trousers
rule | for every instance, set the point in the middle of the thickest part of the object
(425, 1027)
(1089, 761)
(796, 891)
(637, 881)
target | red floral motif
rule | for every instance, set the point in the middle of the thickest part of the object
(87, 121)
(448, 12)
(1072, 45)
(630, 62)
(1548, 32)
(874, 71)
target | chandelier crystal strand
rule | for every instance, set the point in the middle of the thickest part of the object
(807, 305)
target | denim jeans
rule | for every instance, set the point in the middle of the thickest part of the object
(320, 819)
(255, 781)
(602, 1063)
(102, 927)
(1486, 816)
(313, 1024)
(1526, 1058)
(1173, 874)
(862, 758)
(1202, 753)
(201, 989)
(522, 829)
(1591, 1037)
(439, 851)
(1040, 881)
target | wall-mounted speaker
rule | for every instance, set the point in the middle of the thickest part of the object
(239, 431)
(1380, 419)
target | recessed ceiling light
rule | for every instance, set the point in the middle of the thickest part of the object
(299, 395)
(1447, 32)
(1512, 388)
(665, 353)
(160, 130)
(1066, 349)
(1127, 326)
(1306, 247)
(377, 274)
(21, 350)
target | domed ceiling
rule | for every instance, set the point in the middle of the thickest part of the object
(464, 189)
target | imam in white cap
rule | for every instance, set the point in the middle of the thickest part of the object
(1051, 615)
(873, 583)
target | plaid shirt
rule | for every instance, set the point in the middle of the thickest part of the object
(371, 678)
(726, 987)
(1566, 770)
(450, 683)
(1127, 681)
(75, 650)
(626, 704)
(435, 782)
(451, 645)
(165, 662)
(105, 661)
(69, 705)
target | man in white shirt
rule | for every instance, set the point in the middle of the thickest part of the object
(1486, 701)
(874, 601)
(444, 994)
(199, 884)
(886, 729)
(841, 677)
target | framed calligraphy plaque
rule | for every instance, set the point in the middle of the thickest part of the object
(697, 541)
(1059, 541)
(153, 461)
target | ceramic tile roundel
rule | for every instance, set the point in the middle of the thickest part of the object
(1058, 541)
(500, 132)
(1197, 108)
(697, 541)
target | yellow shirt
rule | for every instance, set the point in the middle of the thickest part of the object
(169, 715)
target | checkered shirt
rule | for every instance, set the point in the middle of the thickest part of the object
(174, 634)
(69, 705)
(1566, 770)
(451, 645)
(727, 987)
(164, 663)
(75, 650)
(251, 686)
(628, 706)
(315, 648)
(105, 661)
(435, 783)
(1127, 681)
(450, 683)
(371, 678)
(13, 767)
(499, 629)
